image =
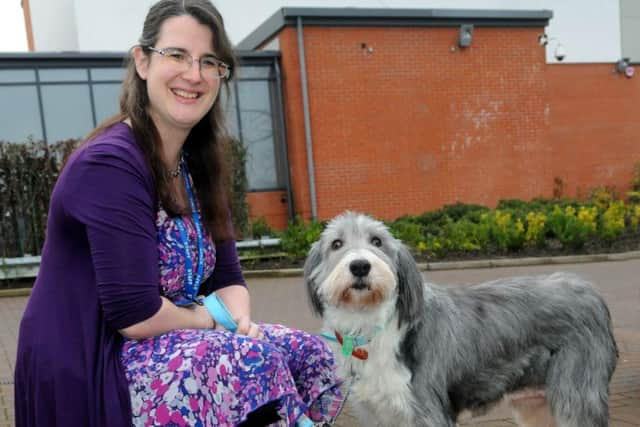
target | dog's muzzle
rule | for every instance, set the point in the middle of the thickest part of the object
(360, 269)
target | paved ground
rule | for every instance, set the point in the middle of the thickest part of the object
(283, 300)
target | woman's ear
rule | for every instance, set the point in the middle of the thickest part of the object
(142, 62)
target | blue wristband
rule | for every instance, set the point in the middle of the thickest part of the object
(219, 312)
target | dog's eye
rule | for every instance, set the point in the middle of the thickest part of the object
(336, 244)
(375, 241)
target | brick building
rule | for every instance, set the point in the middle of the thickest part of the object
(379, 110)
(385, 113)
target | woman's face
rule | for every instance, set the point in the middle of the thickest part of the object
(178, 97)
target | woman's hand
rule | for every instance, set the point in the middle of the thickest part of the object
(236, 298)
(248, 328)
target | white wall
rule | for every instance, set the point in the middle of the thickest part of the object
(589, 30)
(54, 25)
(113, 25)
(13, 34)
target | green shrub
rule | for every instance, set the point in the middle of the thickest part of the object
(460, 210)
(260, 228)
(513, 205)
(570, 229)
(296, 240)
(536, 205)
(28, 172)
(506, 230)
(434, 222)
(410, 232)
(634, 216)
(237, 158)
(465, 235)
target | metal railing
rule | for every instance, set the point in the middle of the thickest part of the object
(27, 267)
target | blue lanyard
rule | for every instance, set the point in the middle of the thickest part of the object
(191, 285)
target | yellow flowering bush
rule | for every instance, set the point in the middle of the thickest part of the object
(634, 194)
(612, 221)
(634, 216)
(589, 217)
(515, 224)
(506, 232)
(535, 228)
(572, 226)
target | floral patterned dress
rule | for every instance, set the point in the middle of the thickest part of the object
(215, 378)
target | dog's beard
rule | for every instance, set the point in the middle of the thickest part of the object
(342, 289)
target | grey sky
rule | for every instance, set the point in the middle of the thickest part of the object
(13, 37)
(243, 16)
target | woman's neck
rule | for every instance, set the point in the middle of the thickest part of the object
(171, 153)
(172, 140)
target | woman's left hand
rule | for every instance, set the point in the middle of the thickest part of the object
(249, 328)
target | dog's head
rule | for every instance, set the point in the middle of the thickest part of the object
(358, 265)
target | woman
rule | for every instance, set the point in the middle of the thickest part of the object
(118, 330)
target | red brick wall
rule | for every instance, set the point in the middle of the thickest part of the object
(294, 122)
(413, 125)
(270, 205)
(594, 125)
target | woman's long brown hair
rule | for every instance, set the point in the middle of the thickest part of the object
(205, 147)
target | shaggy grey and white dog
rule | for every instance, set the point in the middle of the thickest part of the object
(416, 354)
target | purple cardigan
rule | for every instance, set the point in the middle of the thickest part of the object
(98, 274)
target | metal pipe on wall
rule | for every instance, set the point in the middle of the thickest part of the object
(307, 121)
(283, 140)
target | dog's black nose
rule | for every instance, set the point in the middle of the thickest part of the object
(360, 267)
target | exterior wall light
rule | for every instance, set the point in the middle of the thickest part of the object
(465, 36)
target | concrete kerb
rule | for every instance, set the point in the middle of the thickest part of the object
(431, 266)
(483, 263)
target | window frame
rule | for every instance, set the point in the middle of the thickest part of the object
(38, 61)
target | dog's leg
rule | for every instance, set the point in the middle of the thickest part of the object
(532, 411)
(577, 384)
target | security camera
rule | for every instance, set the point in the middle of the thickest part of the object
(624, 66)
(560, 53)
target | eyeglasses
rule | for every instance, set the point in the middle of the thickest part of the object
(210, 66)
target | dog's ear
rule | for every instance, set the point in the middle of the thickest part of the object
(314, 258)
(410, 286)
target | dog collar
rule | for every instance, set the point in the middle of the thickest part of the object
(350, 343)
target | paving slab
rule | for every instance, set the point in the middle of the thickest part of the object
(284, 300)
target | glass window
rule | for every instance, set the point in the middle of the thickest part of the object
(228, 100)
(108, 74)
(67, 111)
(19, 114)
(257, 134)
(254, 72)
(105, 98)
(63, 75)
(17, 76)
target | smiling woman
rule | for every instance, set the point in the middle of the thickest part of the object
(140, 260)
